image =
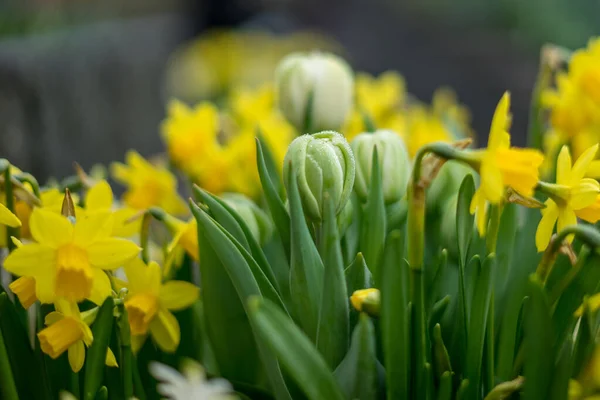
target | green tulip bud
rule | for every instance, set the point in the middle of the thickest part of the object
(446, 183)
(394, 164)
(323, 163)
(257, 220)
(315, 91)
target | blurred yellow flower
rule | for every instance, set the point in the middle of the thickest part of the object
(67, 330)
(100, 199)
(423, 127)
(149, 304)
(502, 166)
(573, 196)
(68, 259)
(148, 185)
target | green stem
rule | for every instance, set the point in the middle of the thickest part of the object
(126, 354)
(566, 280)
(74, 388)
(8, 388)
(489, 357)
(419, 332)
(10, 204)
(145, 237)
(493, 228)
(138, 385)
(30, 179)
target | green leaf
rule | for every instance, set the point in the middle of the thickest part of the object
(437, 312)
(8, 389)
(26, 365)
(281, 218)
(505, 390)
(538, 341)
(584, 342)
(462, 390)
(278, 276)
(96, 354)
(357, 374)
(221, 215)
(351, 237)
(235, 257)
(435, 288)
(395, 318)
(373, 227)
(244, 283)
(445, 386)
(102, 394)
(396, 214)
(507, 234)
(270, 164)
(478, 324)
(441, 360)
(464, 219)
(333, 331)
(295, 351)
(563, 372)
(306, 269)
(358, 275)
(227, 325)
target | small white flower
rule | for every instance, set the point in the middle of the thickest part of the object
(191, 384)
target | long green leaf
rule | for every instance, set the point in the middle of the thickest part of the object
(26, 365)
(306, 269)
(539, 339)
(395, 320)
(358, 275)
(244, 283)
(281, 218)
(8, 389)
(96, 355)
(441, 360)
(478, 325)
(563, 372)
(295, 351)
(373, 227)
(227, 325)
(445, 387)
(333, 331)
(357, 374)
(270, 164)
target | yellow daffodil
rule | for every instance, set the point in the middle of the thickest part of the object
(148, 185)
(149, 304)
(423, 128)
(185, 234)
(100, 199)
(251, 106)
(67, 330)
(573, 196)
(24, 289)
(190, 132)
(8, 218)
(68, 258)
(502, 166)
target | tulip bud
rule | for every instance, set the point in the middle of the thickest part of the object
(258, 222)
(323, 163)
(314, 91)
(394, 164)
(446, 183)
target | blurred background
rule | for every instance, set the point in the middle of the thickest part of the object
(84, 80)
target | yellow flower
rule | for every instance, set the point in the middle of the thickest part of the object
(367, 300)
(148, 185)
(24, 289)
(149, 304)
(68, 259)
(573, 196)
(68, 330)
(8, 218)
(423, 128)
(189, 133)
(186, 236)
(593, 303)
(252, 106)
(502, 166)
(100, 199)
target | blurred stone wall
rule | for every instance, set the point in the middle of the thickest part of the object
(86, 94)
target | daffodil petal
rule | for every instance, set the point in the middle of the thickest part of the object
(50, 228)
(584, 193)
(590, 213)
(122, 226)
(111, 360)
(582, 164)
(177, 295)
(99, 197)
(45, 287)
(142, 277)
(501, 121)
(8, 218)
(594, 169)
(566, 218)
(563, 166)
(76, 356)
(53, 317)
(491, 181)
(93, 227)
(100, 287)
(164, 329)
(31, 260)
(546, 226)
(111, 253)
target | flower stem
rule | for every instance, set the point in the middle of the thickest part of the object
(126, 354)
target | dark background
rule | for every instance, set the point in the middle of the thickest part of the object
(83, 80)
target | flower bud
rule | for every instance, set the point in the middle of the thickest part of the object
(323, 163)
(256, 219)
(314, 91)
(367, 300)
(394, 164)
